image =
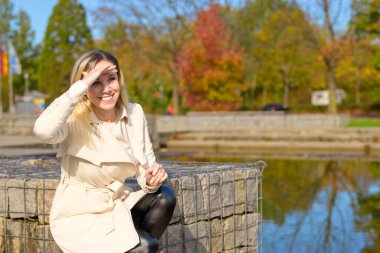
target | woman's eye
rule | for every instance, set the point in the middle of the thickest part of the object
(96, 83)
(112, 79)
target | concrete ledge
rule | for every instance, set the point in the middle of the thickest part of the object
(217, 206)
(21, 124)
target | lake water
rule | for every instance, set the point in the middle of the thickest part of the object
(321, 206)
(318, 205)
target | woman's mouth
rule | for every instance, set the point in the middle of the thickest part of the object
(106, 98)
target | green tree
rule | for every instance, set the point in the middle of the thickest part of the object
(22, 39)
(6, 19)
(67, 37)
(365, 22)
(358, 75)
(366, 18)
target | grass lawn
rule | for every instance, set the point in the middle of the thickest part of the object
(364, 122)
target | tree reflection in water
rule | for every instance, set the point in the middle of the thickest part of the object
(321, 206)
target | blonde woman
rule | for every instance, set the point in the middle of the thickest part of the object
(104, 140)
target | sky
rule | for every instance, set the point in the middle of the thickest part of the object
(39, 12)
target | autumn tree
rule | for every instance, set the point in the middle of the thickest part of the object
(146, 80)
(332, 47)
(245, 23)
(288, 62)
(211, 67)
(156, 32)
(67, 37)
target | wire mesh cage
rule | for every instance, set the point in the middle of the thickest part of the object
(219, 206)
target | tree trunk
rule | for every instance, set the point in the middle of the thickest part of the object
(264, 101)
(357, 90)
(175, 92)
(285, 81)
(332, 87)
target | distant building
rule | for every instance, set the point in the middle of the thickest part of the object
(33, 102)
(322, 98)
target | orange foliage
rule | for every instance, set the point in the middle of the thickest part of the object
(211, 68)
(336, 50)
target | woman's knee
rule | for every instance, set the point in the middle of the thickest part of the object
(148, 243)
(167, 196)
(153, 245)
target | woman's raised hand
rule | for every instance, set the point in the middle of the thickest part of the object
(155, 175)
(90, 77)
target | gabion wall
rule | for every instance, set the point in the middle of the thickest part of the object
(218, 206)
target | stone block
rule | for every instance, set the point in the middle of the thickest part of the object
(2, 234)
(250, 223)
(212, 200)
(47, 244)
(20, 236)
(192, 199)
(4, 204)
(177, 215)
(252, 191)
(45, 195)
(22, 198)
(217, 235)
(172, 241)
(195, 237)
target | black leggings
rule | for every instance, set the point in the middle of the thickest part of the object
(151, 215)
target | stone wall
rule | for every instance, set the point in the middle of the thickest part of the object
(17, 124)
(247, 121)
(217, 206)
(232, 121)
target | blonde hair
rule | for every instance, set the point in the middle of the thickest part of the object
(81, 118)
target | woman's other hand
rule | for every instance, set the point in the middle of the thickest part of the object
(155, 175)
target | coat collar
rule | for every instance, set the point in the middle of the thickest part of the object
(108, 148)
(124, 115)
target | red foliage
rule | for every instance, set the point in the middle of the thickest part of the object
(211, 68)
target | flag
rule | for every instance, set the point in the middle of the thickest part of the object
(3, 63)
(14, 62)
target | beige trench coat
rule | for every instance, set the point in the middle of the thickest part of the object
(91, 206)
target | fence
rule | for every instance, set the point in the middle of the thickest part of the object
(218, 206)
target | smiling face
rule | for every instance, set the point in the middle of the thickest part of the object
(104, 94)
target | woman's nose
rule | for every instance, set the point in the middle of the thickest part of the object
(106, 87)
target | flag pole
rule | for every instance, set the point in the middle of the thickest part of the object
(1, 94)
(1, 79)
(10, 78)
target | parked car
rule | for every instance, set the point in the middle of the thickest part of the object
(275, 107)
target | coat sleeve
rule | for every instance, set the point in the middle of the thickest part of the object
(141, 179)
(149, 153)
(51, 125)
(148, 147)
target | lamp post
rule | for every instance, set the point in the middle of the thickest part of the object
(26, 83)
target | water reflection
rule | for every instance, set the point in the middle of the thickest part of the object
(329, 206)
(321, 206)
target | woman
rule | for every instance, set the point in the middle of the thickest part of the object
(103, 140)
